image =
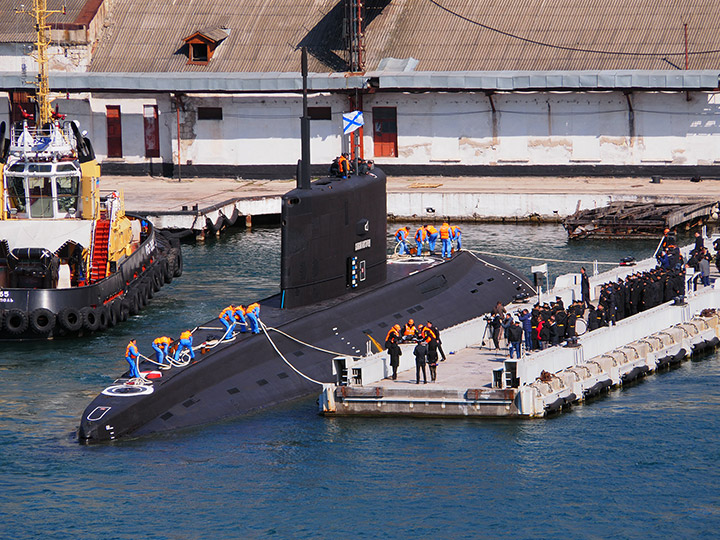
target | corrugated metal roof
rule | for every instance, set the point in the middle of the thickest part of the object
(443, 35)
(383, 80)
(20, 28)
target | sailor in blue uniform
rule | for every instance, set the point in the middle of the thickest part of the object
(185, 343)
(131, 355)
(456, 235)
(161, 346)
(240, 318)
(253, 314)
(227, 317)
(401, 238)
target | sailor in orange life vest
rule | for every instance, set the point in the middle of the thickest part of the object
(409, 331)
(240, 317)
(456, 235)
(161, 346)
(432, 236)
(420, 236)
(131, 355)
(401, 237)
(445, 239)
(393, 349)
(227, 317)
(344, 165)
(185, 343)
(253, 314)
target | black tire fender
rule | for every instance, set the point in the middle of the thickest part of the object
(178, 263)
(91, 320)
(166, 271)
(103, 313)
(16, 321)
(70, 319)
(42, 321)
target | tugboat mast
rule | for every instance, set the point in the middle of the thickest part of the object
(40, 13)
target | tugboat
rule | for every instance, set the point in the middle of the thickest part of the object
(338, 295)
(72, 261)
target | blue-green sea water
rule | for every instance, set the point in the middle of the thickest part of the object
(639, 463)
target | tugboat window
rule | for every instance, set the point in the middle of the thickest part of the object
(40, 190)
(16, 191)
(67, 193)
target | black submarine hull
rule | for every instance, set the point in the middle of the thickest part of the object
(248, 374)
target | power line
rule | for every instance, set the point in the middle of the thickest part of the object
(563, 47)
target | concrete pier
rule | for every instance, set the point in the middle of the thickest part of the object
(206, 205)
(477, 381)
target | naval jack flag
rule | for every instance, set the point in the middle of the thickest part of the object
(352, 121)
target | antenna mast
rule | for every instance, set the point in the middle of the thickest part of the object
(40, 13)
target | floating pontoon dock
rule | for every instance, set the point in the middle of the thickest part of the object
(477, 381)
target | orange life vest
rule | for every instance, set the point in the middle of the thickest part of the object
(187, 334)
(251, 307)
(428, 334)
(409, 330)
(455, 229)
(431, 230)
(131, 351)
(420, 234)
(162, 341)
(393, 332)
(445, 231)
(228, 311)
(344, 165)
(400, 230)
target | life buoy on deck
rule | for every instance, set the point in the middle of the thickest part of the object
(16, 321)
(90, 318)
(42, 321)
(70, 319)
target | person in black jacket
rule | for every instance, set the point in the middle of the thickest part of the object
(439, 341)
(393, 349)
(432, 358)
(420, 353)
(515, 336)
(584, 287)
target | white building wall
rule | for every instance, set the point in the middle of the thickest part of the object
(433, 128)
(552, 128)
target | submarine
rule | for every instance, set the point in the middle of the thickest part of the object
(339, 292)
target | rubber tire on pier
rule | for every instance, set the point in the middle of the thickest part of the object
(70, 319)
(16, 321)
(42, 321)
(91, 320)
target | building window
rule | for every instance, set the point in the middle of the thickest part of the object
(199, 52)
(114, 132)
(210, 113)
(320, 113)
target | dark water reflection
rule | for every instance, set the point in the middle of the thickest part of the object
(640, 463)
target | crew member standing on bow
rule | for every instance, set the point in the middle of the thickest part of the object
(445, 239)
(420, 236)
(131, 355)
(186, 340)
(161, 346)
(401, 238)
(227, 317)
(456, 236)
(252, 312)
(432, 236)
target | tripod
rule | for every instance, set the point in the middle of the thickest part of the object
(489, 333)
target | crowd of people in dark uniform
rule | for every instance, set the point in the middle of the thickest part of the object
(551, 324)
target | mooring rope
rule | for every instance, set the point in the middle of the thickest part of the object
(537, 258)
(264, 328)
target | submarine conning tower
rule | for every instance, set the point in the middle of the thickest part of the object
(333, 238)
